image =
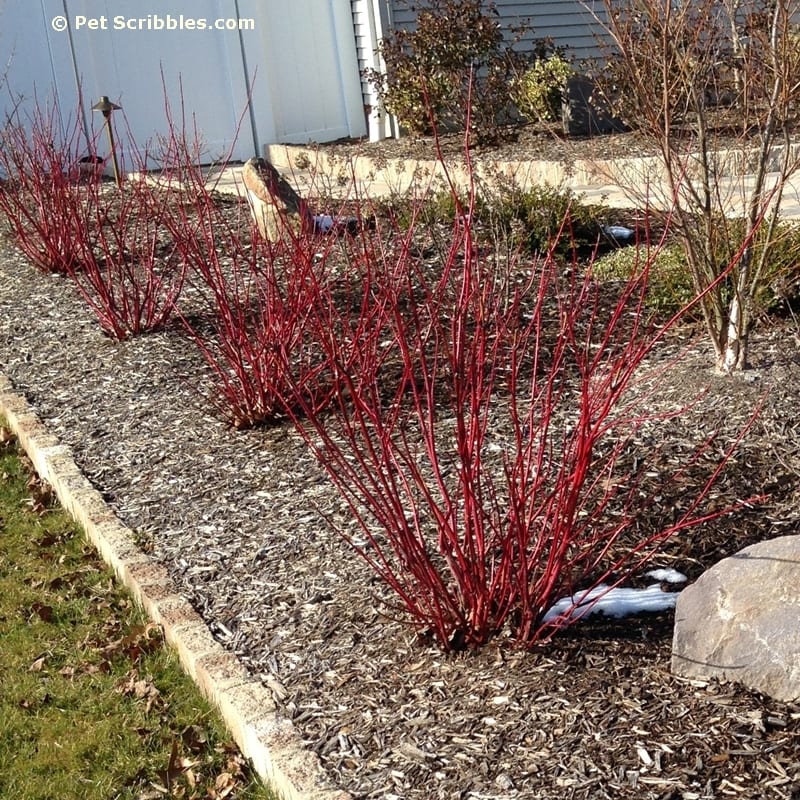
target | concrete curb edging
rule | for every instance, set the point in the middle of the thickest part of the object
(270, 741)
(400, 173)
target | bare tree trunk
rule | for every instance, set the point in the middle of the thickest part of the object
(739, 310)
(734, 356)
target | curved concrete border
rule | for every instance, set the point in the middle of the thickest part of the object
(270, 741)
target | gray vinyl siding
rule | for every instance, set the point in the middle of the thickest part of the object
(570, 24)
(400, 16)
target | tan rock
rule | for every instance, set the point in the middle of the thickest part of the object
(740, 620)
(276, 207)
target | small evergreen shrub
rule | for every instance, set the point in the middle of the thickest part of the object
(537, 93)
(670, 286)
(540, 219)
(781, 273)
(436, 207)
(547, 217)
(442, 206)
(670, 283)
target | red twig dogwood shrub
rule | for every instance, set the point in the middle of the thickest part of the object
(264, 296)
(67, 219)
(257, 323)
(128, 271)
(43, 159)
(131, 272)
(490, 476)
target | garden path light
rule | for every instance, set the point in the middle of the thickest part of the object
(106, 107)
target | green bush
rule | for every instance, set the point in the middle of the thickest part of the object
(780, 281)
(539, 219)
(670, 287)
(437, 207)
(545, 217)
(442, 206)
(453, 66)
(538, 92)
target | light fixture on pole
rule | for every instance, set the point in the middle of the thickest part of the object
(106, 107)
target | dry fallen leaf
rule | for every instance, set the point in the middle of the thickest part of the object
(173, 769)
(7, 438)
(44, 612)
(194, 739)
(142, 640)
(141, 689)
(37, 665)
(224, 785)
(190, 777)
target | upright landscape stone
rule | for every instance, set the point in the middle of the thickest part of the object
(740, 620)
(275, 205)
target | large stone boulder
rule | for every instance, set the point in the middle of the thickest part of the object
(275, 205)
(740, 620)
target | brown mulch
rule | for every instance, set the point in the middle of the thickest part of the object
(239, 520)
(544, 142)
(527, 142)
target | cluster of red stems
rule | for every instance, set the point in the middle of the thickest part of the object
(474, 411)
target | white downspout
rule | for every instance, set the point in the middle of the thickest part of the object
(380, 123)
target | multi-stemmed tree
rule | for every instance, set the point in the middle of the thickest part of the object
(716, 86)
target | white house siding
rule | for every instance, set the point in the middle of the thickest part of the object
(28, 68)
(300, 59)
(310, 68)
(365, 47)
(370, 22)
(201, 70)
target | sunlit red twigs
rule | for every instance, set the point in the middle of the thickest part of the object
(41, 160)
(490, 475)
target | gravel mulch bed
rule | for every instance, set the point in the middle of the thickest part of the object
(237, 517)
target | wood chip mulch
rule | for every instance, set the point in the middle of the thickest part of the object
(536, 142)
(238, 518)
(527, 142)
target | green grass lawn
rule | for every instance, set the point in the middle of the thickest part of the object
(92, 704)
